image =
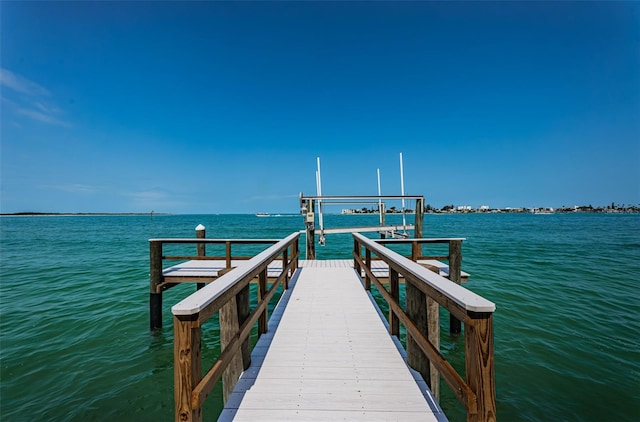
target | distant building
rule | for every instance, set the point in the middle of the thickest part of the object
(484, 208)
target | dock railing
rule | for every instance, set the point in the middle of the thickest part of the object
(426, 291)
(453, 258)
(158, 282)
(230, 296)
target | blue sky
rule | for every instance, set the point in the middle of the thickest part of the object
(210, 107)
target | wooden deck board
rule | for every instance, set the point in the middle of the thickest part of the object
(330, 358)
(209, 269)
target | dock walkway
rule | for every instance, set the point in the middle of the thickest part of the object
(328, 355)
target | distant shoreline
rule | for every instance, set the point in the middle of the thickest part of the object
(83, 214)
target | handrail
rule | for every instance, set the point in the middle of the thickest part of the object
(228, 295)
(417, 254)
(159, 281)
(192, 240)
(203, 298)
(425, 290)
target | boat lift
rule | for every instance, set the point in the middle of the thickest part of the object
(309, 204)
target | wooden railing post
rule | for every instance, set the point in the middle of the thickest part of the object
(285, 262)
(416, 251)
(394, 286)
(243, 302)
(229, 327)
(228, 254)
(367, 279)
(455, 271)
(418, 226)
(479, 366)
(262, 291)
(425, 314)
(294, 251)
(155, 279)
(357, 252)
(416, 305)
(186, 366)
(201, 248)
(433, 322)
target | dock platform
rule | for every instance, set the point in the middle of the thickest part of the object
(208, 270)
(328, 356)
(326, 352)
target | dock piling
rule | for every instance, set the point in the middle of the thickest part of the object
(201, 247)
(455, 270)
(155, 279)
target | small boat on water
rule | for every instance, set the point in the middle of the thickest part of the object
(262, 214)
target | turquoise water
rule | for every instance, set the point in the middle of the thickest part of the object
(75, 344)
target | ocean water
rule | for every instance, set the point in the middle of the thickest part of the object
(75, 344)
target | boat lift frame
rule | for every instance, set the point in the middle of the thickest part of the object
(308, 206)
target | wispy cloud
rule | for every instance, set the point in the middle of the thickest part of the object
(32, 99)
(269, 197)
(74, 188)
(21, 85)
(40, 116)
(149, 196)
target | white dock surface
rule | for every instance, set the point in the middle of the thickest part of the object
(330, 358)
(210, 268)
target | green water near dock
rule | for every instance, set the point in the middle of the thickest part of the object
(75, 344)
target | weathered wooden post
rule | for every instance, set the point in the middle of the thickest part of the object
(416, 251)
(311, 230)
(262, 292)
(187, 366)
(394, 287)
(229, 328)
(155, 279)
(285, 262)
(367, 279)
(479, 365)
(433, 321)
(294, 251)
(455, 271)
(357, 252)
(418, 226)
(227, 254)
(201, 248)
(243, 302)
(425, 314)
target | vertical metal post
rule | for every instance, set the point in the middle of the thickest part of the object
(383, 220)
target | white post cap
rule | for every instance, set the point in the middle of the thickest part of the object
(199, 228)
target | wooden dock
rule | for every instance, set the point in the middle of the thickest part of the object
(329, 356)
(326, 353)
